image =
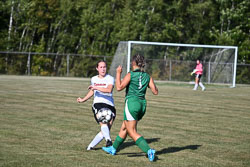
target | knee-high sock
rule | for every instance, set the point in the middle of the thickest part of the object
(142, 144)
(195, 87)
(96, 140)
(105, 132)
(202, 86)
(118, 142)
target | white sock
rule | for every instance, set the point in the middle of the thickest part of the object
(202, 86)
(105, 132)
(96, 140)
(195, 87)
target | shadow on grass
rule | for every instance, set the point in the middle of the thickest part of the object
(177, 149)
(164, 151)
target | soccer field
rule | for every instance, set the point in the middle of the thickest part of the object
(41, 124)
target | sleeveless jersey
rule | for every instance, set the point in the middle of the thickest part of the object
(138, 84)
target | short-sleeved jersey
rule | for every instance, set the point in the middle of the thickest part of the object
(138, 84)
(199, 69)
(100, 97)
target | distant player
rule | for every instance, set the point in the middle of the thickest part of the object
(136, 83)
(101, 87)
(198, 74)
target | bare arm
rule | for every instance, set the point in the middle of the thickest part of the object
(120, 85)
(153, 87)
(108, 89)
(87, 96)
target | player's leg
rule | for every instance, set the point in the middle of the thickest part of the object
(139, 140)
(98, 138)
(121, 136)
(196, 82)
(106, 133)
(131, 129)
(134, 111)
(118, 141)
(105, 128)
(200, 84)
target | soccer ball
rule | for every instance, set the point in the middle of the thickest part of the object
(104, 115)
(99, 115)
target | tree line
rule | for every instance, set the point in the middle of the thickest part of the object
(95, 27)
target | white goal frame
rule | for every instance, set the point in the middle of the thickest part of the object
(185, 45)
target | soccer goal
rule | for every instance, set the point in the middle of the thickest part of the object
(174, 62)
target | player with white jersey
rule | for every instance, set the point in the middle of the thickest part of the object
(103, 97)
(101, 88)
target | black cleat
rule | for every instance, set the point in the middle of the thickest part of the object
(109, 143)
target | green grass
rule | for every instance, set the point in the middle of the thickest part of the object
(41, 124)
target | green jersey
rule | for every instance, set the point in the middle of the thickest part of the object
(138, 84)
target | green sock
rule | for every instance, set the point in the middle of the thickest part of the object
(118, 141)
(142, 144)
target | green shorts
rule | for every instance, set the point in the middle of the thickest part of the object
(134, 109)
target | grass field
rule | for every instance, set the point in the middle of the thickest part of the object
(41, 124)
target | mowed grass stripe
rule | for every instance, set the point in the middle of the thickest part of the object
(41, 124)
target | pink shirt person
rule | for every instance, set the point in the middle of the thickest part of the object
(199, 69)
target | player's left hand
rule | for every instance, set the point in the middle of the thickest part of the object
(91, 87)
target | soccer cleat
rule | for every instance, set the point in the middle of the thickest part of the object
(111, 150)
(151, 154)
(203, 89)
(109, 143)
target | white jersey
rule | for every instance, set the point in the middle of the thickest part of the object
(100, 97)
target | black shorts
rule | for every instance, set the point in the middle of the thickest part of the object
(198, 76)
(97, 106)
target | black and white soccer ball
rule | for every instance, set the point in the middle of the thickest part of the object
(104, 115)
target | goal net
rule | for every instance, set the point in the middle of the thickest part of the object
(175, 62)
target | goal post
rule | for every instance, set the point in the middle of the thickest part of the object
(174, 61)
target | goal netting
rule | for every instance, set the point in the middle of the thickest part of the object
(174, 62)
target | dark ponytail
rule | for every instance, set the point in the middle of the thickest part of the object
(139, 60)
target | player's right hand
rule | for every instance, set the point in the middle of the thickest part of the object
(79, 100)
(119, 69)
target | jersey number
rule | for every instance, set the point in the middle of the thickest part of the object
(140, 84)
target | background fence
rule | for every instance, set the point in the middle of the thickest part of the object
(76, 65)
(49, 64)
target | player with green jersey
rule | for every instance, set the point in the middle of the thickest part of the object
(136, 83)
(135, 95)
